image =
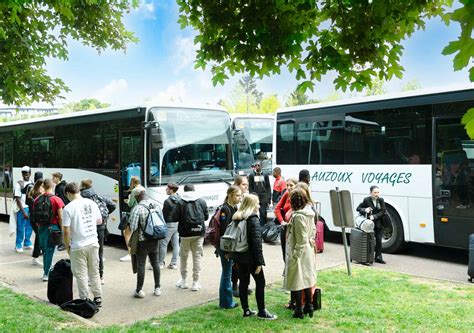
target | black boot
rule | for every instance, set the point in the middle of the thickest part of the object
(298, 313)
(309, 310)
(235, 291)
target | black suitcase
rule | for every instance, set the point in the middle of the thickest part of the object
(362, 246)
(470, 267)
(60, 282)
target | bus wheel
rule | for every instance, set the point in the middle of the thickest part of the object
(393, 238)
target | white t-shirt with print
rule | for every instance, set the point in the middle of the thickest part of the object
(17, 192)
(81, 216)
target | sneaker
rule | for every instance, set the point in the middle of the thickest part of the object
(19, 250)
(162, 266)
(196, 286)
(45, 278)
(182, 284)
(157, 291)
(102, 281)
(266, 315)
(37, 262)
(98, 301)
(126, 258)
(29, 247)
(139, 294)
(173, 266)
(249, 313)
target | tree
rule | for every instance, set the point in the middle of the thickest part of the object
(360, 40)
(35, 30)
(269, 104)
(298, 97)
(375, 88)
(411, 85)
(84, 104)
(249, 86)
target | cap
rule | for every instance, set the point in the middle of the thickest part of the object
(138, 190)
(26, 169)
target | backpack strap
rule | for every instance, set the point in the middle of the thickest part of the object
(146, 220)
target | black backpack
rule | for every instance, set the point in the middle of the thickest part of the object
(82, 307)
(43, 212)
(193, 217)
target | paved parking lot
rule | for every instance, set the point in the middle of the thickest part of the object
(120, 306)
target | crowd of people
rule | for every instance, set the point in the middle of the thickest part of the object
(74, 216)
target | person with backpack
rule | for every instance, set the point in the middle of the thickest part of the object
(23, 226)
(106, 207)
(48, 215)
(300, 268)
(250, 262)
(191, 214)
(35, 192)
(169, 207)
(145, 247)
(227, 210)
(131, 202)
(259, 184)
(80, 218)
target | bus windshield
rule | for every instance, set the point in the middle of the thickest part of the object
(258, 132)
(196, 147)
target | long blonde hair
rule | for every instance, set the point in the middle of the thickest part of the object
(247, 208)
(306, 190)
(134, 182)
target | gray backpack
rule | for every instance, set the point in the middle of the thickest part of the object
(235, 237)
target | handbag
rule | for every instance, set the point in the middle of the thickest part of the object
(317, 299)
(55, 237)
(123, 222)
(82, 307)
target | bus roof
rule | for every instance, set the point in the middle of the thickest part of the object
(377, 98)
(251, 116)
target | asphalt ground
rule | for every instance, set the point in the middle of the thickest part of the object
(120, 307)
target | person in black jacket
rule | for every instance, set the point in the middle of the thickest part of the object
(191, 213)
(374, 208)
(169, 207)
(259, 184)
(251, 261)
(228, 209)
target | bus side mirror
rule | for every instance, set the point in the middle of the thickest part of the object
(156, 136)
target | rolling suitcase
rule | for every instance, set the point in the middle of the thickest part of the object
(470, 267)
(319, 228)
(60, 282)
(362, 246)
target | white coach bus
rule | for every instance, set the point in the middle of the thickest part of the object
(175, 144)
(252, 140)
(412, 145)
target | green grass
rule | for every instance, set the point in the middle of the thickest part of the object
(372, 300)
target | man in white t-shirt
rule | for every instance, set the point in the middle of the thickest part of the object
(23, 225)
(80, 218)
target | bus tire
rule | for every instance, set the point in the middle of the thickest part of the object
(393, 239)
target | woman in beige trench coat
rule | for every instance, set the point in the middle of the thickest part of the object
(300, 271)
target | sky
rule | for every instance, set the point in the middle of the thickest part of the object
(159, 68)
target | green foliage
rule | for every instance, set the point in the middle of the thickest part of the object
(468, 122)
(375, 88)
(360, 40)
(249, 86)
(84, 104)
(35, 30)
(298, 97)
(411, 85)
(269, 104)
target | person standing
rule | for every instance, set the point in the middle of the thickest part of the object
(251, 261)
(35, 192)
(131, 202)
(145, 247)
(300, 269)
(243, 183)
(60, 184)
(191, 214)
(279, 186)
(106, 207)
(259, 183)
(304, 176)
(228, 209)
(374, 207)
(281, 210)
(80, 219)
(23, 226)
(48, 215)
(169, 207)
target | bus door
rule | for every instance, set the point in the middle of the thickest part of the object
(453, 183)
(131, 161)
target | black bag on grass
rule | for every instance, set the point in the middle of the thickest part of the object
(60, 282)
(82, 307)
(271, 232)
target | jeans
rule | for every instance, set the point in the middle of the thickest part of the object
(226, 300)
(48, 250)
(36, 247)
(193, 244)
(23, 230)
(85, 268)
(245, 270)
(101, 238)
(147, 248)
(172, 236)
